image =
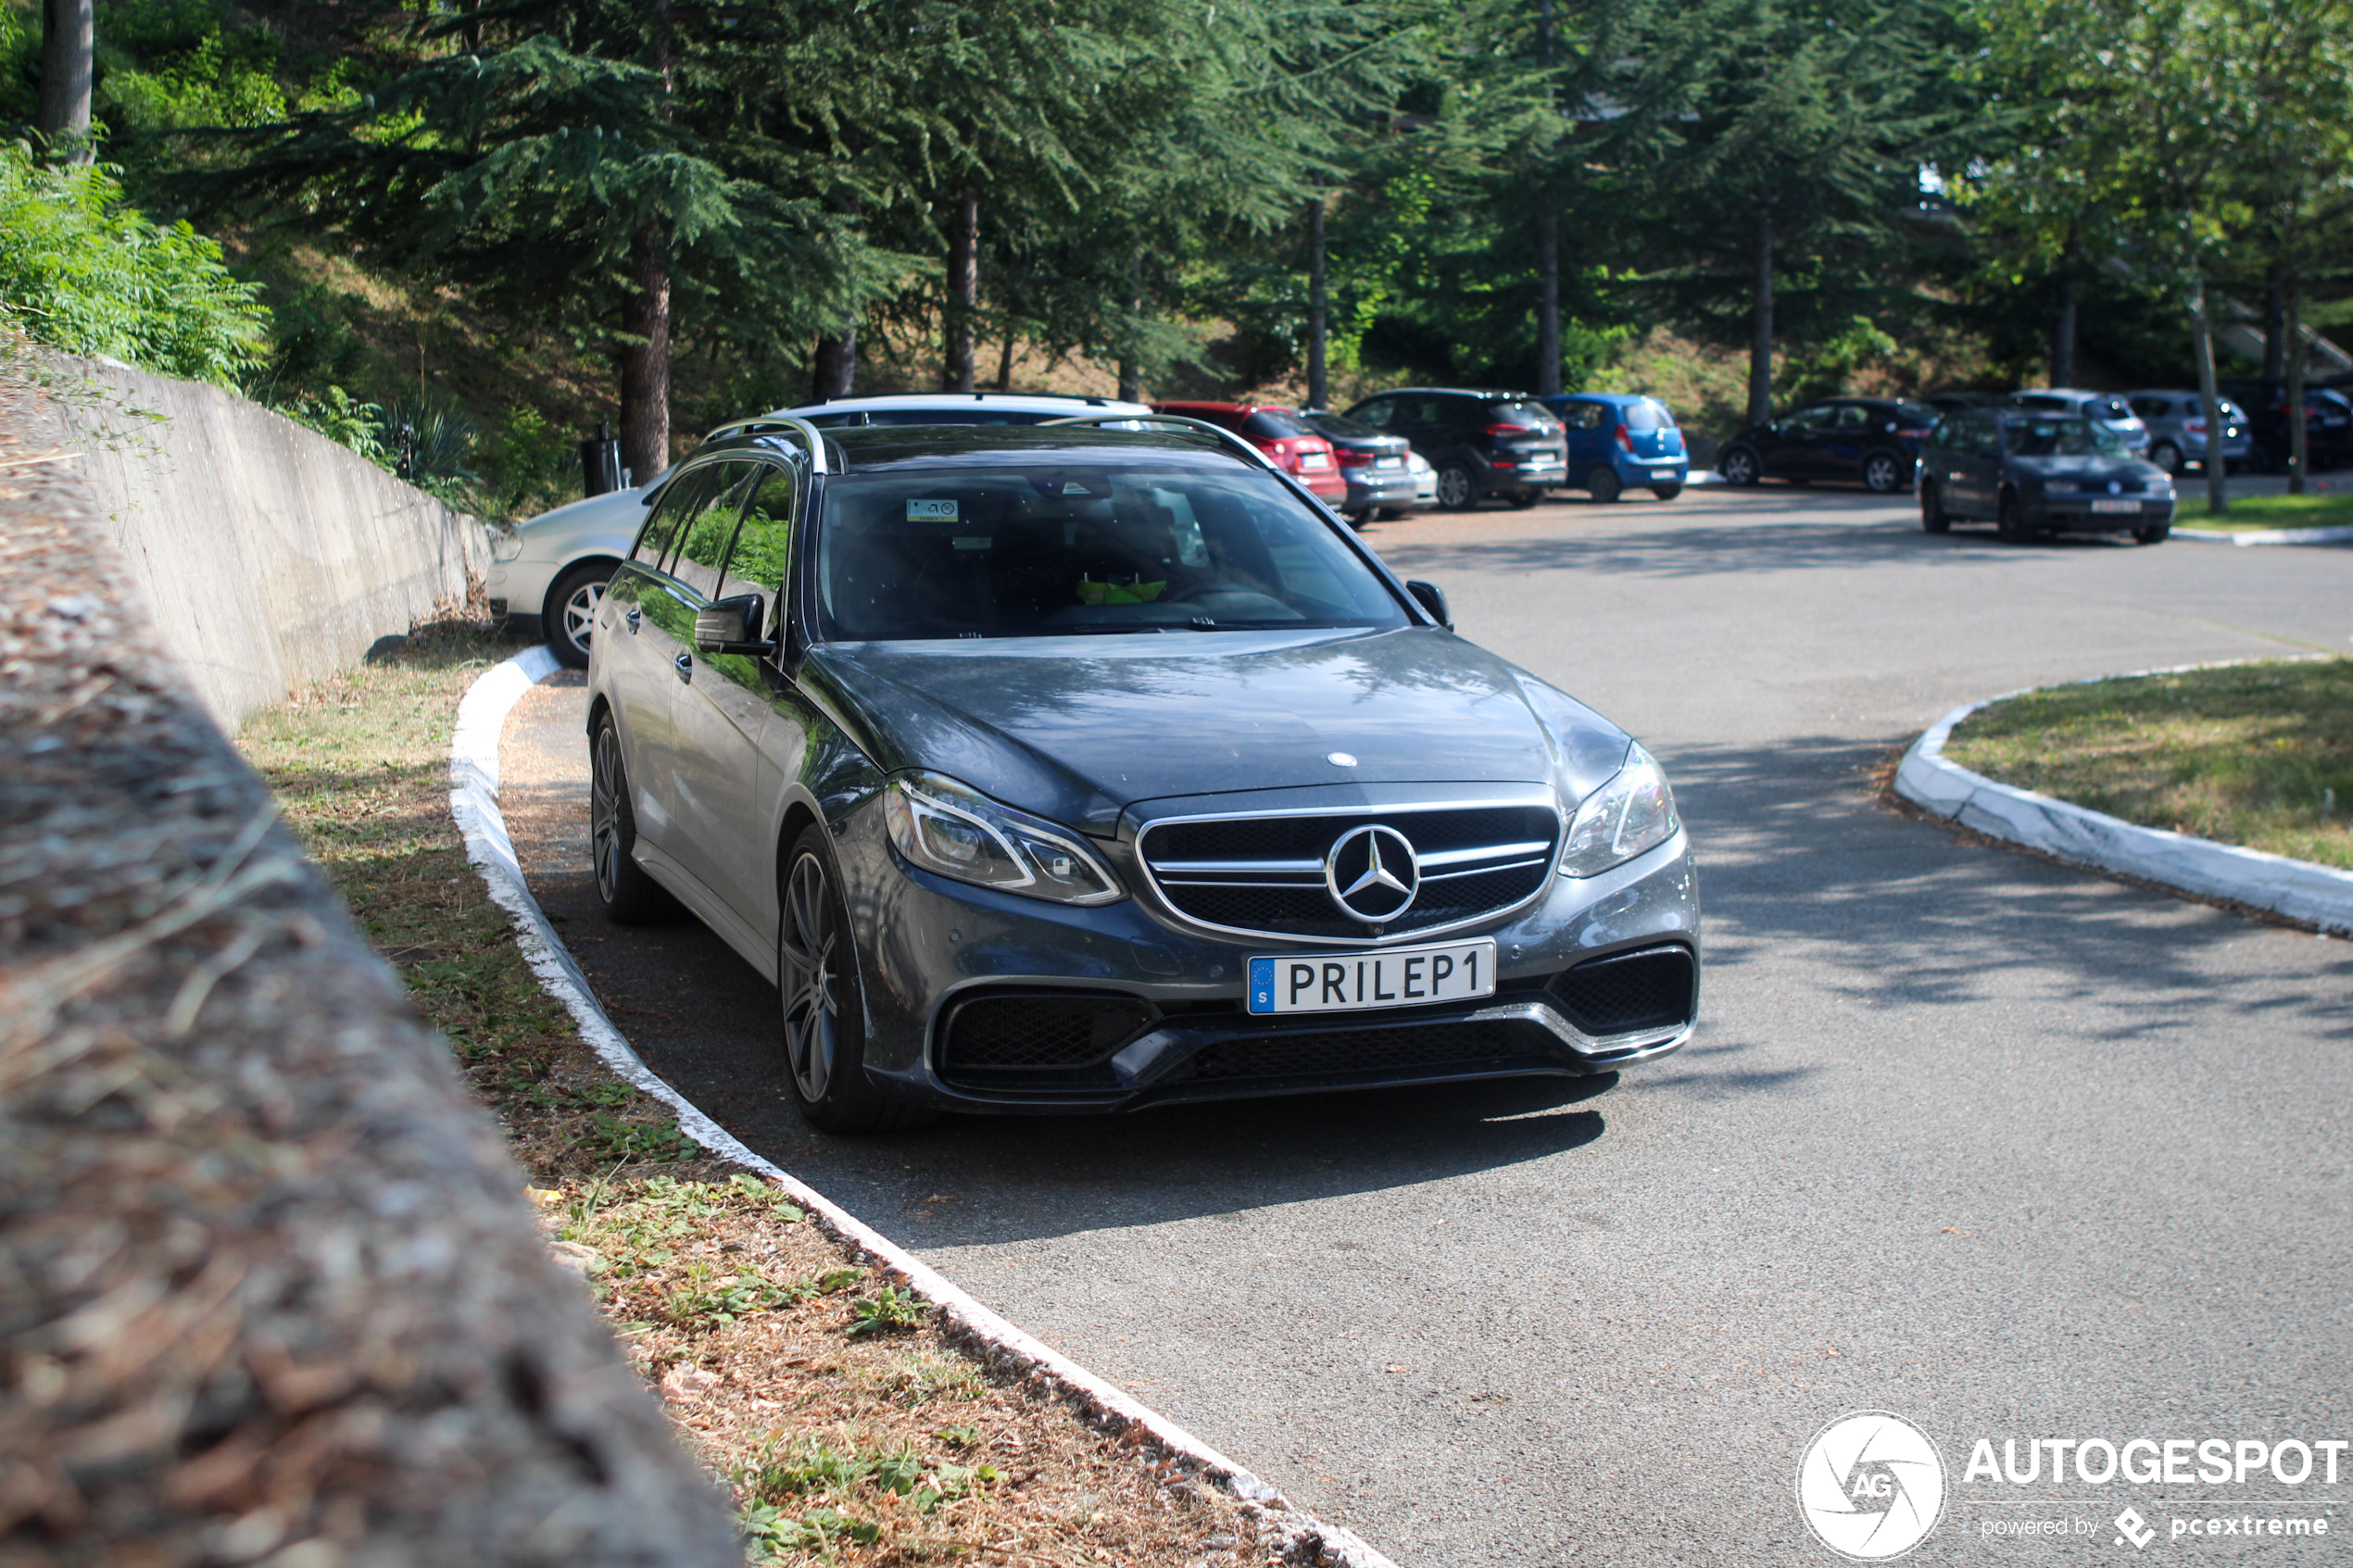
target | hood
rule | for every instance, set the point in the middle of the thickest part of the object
(2133, 472)
(1078, 729)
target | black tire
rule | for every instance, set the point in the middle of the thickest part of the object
(1388, 514)
(1934, 519)
(1357, 518)
(2153, 535)
(2009, 520)
(628, 895)
(1666, 492)
(1458, 488)
(2167, 456)
(1738, 467)
(1525, 497)
(571, 609)
(1602, 484)
(822, 1013)
(1883, 472)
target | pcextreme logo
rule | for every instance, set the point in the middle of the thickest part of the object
(1871, 1485)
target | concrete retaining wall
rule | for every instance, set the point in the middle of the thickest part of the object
(269, 555)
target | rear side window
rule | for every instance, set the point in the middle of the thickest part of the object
(678, 499)
(1376, 414)
(2055, 405)
(2151, 408)
(1272, 423)
(705, 537)
(1583, 416)
(1519, 411)
(1915, 416)
(763, 537)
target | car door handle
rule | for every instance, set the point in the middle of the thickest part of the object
(632, 618)
(685, 665)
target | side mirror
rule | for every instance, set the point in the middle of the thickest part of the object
(1432, 597)
(727, 626)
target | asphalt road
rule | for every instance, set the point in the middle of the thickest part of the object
(2010, 1149)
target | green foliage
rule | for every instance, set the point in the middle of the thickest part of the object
(338, 416)
(82, 272)
(889, 1311)
(799, 1495)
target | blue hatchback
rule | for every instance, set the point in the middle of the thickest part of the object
(1618, 440)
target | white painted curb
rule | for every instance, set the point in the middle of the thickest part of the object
(2298, 889)
(2268, 535)
(473, 803)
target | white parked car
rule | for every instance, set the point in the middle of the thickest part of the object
(550, 572)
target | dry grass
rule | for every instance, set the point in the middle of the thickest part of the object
(359, 763)
(2254, 754)
(848, 1428)
(846, 1425)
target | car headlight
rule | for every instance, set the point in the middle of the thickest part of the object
(1633, 812)
(506, 543)
(942, 826)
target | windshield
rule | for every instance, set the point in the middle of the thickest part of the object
(2064, 438)
(1048, 550)
(1342, 426)
(1272, 423)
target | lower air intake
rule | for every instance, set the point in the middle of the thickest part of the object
(1651, 989)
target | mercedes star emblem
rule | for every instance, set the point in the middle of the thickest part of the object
(1371, 873)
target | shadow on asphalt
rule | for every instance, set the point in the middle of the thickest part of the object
(1898, 916)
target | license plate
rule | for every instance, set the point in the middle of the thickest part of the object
(2115, 506)
(1314, 460)
(1450, 972)
(1541, 460)
(1388, 463)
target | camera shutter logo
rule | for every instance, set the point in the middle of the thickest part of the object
(1871, 1485)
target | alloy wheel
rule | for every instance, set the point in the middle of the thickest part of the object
(1881, 475)
(1738, 467)
(1456, 489)
(605, 785)
(806, 941)
(580, 614)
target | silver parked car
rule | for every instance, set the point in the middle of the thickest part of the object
(549, 572)
(1071, 769)
(2105, 408)
(2176, 423)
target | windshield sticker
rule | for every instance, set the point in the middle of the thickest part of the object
(972, 541)
(1074, 488)
(931, 511)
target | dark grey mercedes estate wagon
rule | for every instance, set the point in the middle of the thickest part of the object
(1082, 769)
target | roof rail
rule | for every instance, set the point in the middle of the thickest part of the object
(1179, 420)
(768, 424)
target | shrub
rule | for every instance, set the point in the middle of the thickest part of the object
(82, 271)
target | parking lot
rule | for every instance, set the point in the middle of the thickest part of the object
(2008, 1148)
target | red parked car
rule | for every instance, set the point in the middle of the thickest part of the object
(1283, 435)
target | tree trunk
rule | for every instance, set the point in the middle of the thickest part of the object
(963, 295)
(69, 36)
(1548, 300)
(2217, 500)
(2063, 326)
(2276, 324)
(2292, 332)
(1760, 326)
(645, 360)
(834, 372)
(1317, 322)
(1131, 371)
(1005, 360)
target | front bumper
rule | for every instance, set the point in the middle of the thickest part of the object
(1183, 1034)
(2074, 514)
